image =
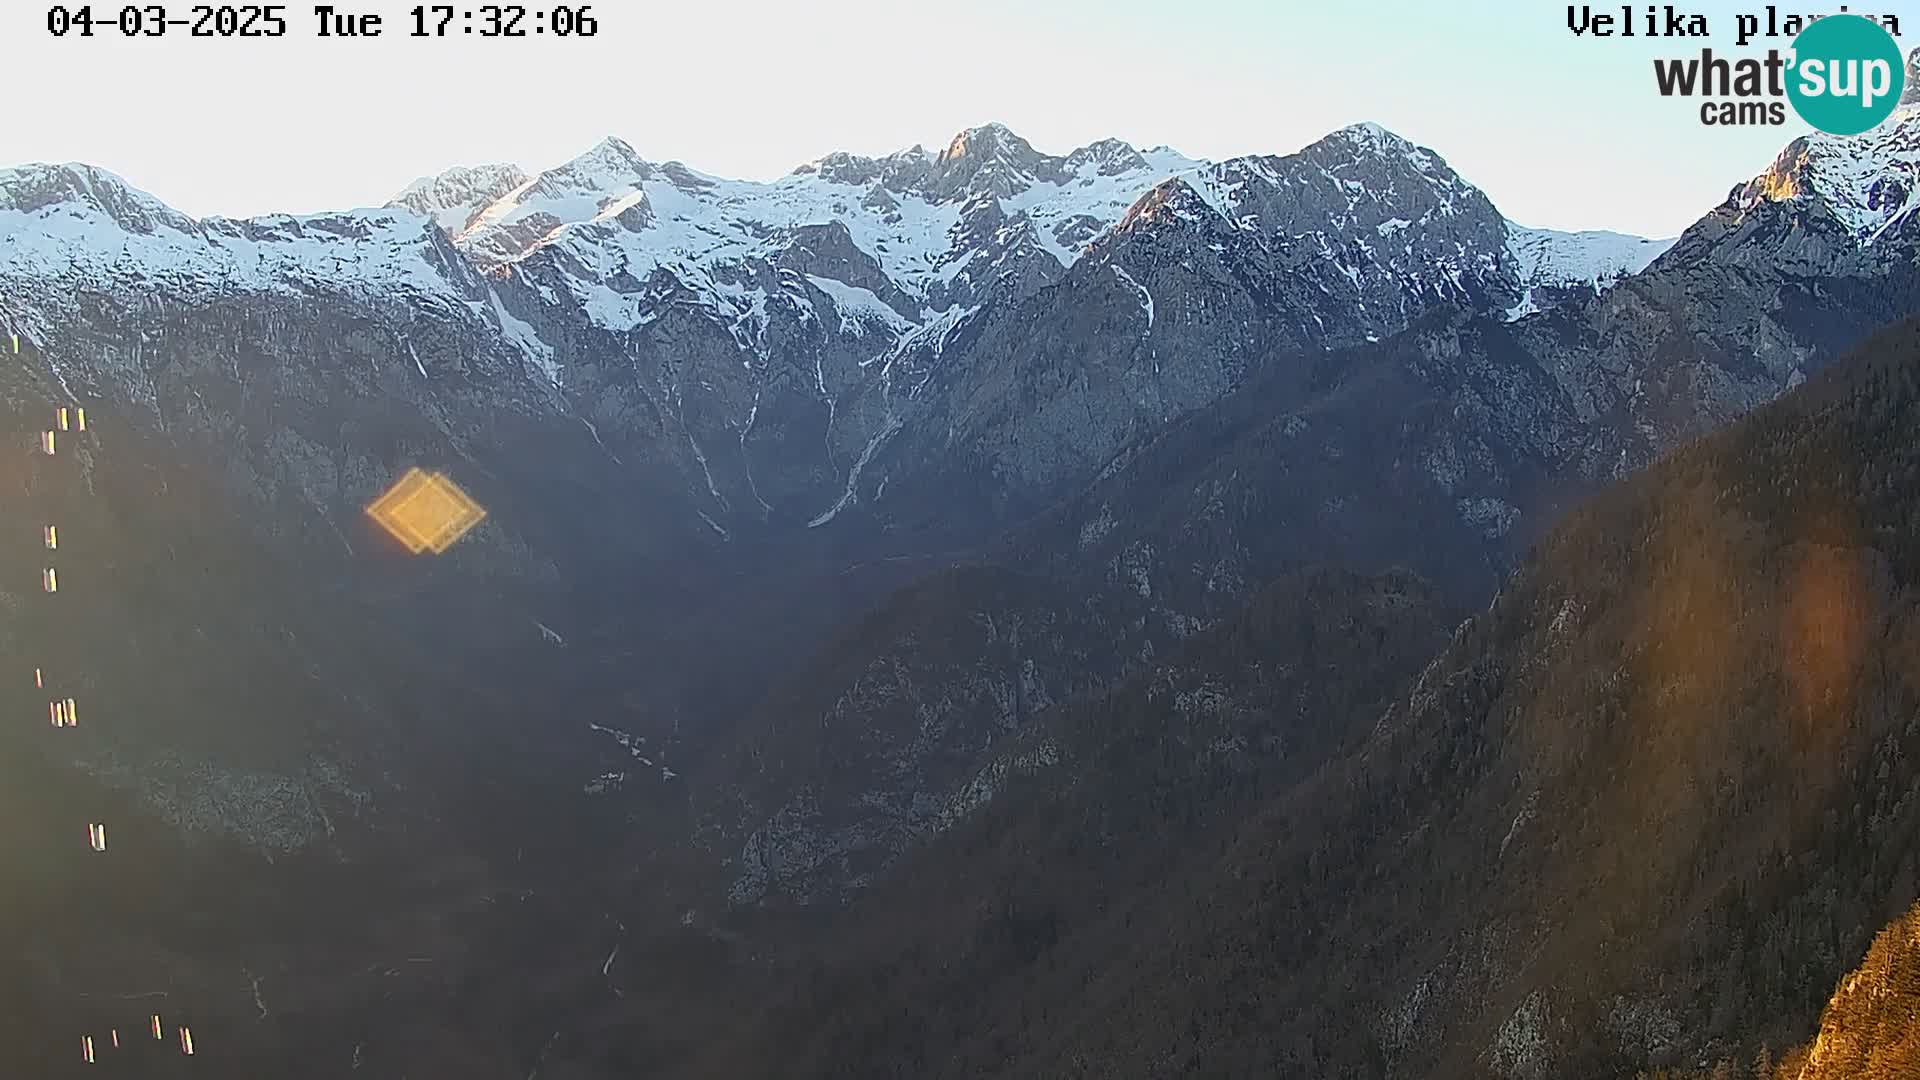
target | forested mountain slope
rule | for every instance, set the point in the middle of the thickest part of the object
(1643, 813)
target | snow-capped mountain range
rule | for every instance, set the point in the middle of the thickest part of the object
(926, 235)
(937, 226)
(774, 341)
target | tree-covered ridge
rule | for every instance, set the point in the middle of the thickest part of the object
(1869, 1031)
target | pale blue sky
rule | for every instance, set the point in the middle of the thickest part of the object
(1559, 131)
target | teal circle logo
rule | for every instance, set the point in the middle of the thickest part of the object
(1846, 75)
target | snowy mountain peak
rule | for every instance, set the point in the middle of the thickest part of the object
(1362, 176)
(1371, 141)
(1109, 157)
(1866, 182)
(612, 153)
(680, 175)
(899, 172)
(455, 196)
(31, 189)
(1174, 199)
(1368, 133)
(990, 159)
(611, 166)
(605, 181)
(61, 225)
(987, 140)
(1390, 219)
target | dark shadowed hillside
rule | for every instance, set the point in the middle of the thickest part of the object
(867, 751)
(1054, 852)
(1644, 812)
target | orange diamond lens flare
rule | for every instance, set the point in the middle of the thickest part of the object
(426, 512)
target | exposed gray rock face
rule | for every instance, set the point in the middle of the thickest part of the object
(1211, 278)
(1392, 219)
(1401, 453)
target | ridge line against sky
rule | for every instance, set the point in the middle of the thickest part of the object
(1560, 132)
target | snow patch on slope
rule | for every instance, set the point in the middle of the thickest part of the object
(860, 310)
(1596, 259)
(1146, 298)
